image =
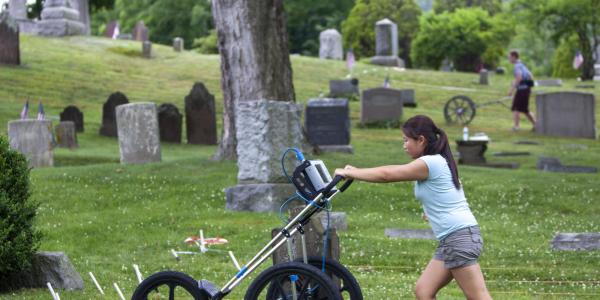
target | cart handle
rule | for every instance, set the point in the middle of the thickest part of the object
(335, 181)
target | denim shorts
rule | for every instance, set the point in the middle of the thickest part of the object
(460, 248)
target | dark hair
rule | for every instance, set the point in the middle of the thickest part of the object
(437, 141)
(514, 53)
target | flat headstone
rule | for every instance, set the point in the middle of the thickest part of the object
(576, 241)
(380, 105)
(139, 140)
(109, 120)
(511, 153)
(200, 116)
(59, 19)
(53, 267)
(109, 31)
(125, 36)
(169, 123)
(327, 122)
(178, 44)
(10, 53)
(386, 44)
(147, 49)
(341, 88)
(337, 220)
(527, 142)
(484, 77)
(72, 113)
(551, 164)
(569, 114)
(585, 86)
(330, 45)
(425, 234)
(548, 82)
(66, 135)
(140, 32)
(33, 138)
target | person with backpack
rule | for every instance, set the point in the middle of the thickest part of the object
(522, 85)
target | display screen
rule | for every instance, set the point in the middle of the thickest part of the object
(322, 172)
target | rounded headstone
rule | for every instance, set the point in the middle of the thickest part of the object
(139, 140)
(330, 45)
(10, 52)
(178, 44)
(72, 113)
(109, 121)
(200, 116)
(66, 135)
(483, 77)
(33, 138)
(147, 49)
(140, 32)
(169, 123)
(386, 35)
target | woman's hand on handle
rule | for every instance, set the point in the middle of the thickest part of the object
(344, 172)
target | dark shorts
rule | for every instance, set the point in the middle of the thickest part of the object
(460, 248)
(521, 101)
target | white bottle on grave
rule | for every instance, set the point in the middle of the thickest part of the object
(465, 133)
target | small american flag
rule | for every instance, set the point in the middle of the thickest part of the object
(41, 114)
(25, 111)
(350, 59)
(577, 60)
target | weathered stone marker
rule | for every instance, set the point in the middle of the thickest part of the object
(471, 152)
(576, 241)
(147, 49)
(10, 53)
(408, 97)
(330, 45)
(327, 123)
(426, 234)
(60, 19)
(200, 116)
(549, 82)
(169, 123)
(343, 88)
(551, 164)
(53, 267)
(66, 135)
(337, 220)
(83, 7)
(109, 32)
(140, 32)
(72, 113)
(380, 105)
(264, 130)
(17, 9)
(109, 121)
(570, 114)
(139, 140)
(33, 138)
(386, 44)
(484, 77)
(178, 44)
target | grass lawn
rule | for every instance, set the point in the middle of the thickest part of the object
(106, 216)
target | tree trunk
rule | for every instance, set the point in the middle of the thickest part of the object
(255, 62)
(587, 68)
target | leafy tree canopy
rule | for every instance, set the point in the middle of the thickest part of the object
(491, 6)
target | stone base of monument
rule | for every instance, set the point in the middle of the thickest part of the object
(27, 26)
(258, 197)
(53, 267)
(425, 234)
(387, 61)
(337, 220)
(33, 138)
(576, 241)
(59, 27)
(336, 148)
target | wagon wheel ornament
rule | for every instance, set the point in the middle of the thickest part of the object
(459, 109)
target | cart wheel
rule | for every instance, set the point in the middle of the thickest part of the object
(459, 109)
(282, 281)
(347, 284)
(168, 285)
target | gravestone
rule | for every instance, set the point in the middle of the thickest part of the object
(551, 164)
(343, 88)
(169, 123)
(59, 19)
(472, 152)
(330, 45)
(10, 53)
(337, 220)
(109, 120)
(576, 241)
(33, 138)
(527, 142)
(597, 69)
(483, 77)
(426, 234)
(139, 140)
(446, 65)
(570, 114)
(380, 105)
(140, 32)
(500, 70)
(17, 9)
(511, 153)
(408, 97)
(124, 36)
(386, 44)
(264, 130)
(113, 26)
(53, 267)
(72, 113)
(66, 135)
(200, 116)
(83, 7)
(327, 123)
(147, 49)
(178, 44)
(549, 82)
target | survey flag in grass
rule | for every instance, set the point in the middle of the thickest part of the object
(577, 60)
(41, 114)
(25, 111)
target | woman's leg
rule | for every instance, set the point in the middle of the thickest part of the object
(470, 279)
(432, 280)
(531, 118)
(516, 118)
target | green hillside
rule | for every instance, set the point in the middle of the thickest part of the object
(106, 216)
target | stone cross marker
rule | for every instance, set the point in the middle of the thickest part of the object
(169, 123)
(386, 44)
(343, 88)
(178, 44)
(381, 105)
(60, 19)
(327, 123)
(10, 52)
(139, 140)
(330, 45)
(33, 138)
(66, 135)
(570, 114)
(109, 120)
(200, 116)
(140, 32)
(147, 49)
(72, 113)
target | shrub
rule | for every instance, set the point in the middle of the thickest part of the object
(18, 238)
(207, 44)
(562, 61)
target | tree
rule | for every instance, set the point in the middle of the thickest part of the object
(566, 18)
(358, 30)
(307, 18)
(468, 37)
(491, 6)
(255, 61)
(562, 62)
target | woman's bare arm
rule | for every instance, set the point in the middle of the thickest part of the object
(415, 170)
